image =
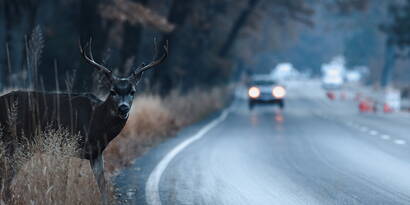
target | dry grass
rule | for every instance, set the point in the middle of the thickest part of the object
(149, 120)
(47, 179)
(50, 173)
(153, 119)
(194, 106)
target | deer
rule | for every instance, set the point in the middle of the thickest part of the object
(97, 121)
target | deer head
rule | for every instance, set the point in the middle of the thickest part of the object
(122, 89)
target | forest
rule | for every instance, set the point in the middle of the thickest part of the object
(211, 41)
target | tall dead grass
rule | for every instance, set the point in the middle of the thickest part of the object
(195, 105)
(49, 172)
(154, 119)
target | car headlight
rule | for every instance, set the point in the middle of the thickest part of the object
(254, 92)
(279, 92)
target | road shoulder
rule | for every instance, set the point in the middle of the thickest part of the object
(131, 180)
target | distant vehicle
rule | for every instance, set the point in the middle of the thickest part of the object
(264, 90)
(333, 73)
(353, 76)
(284, 72)
(332, 81)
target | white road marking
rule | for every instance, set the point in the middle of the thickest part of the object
(385, 137)
(373, 132)
(152, 185)
(400, 142)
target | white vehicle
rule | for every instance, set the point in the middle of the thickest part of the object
(284, 72)
(353, 76)
(392, 99)
(333, 73)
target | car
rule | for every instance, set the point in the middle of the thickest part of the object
(262, 89)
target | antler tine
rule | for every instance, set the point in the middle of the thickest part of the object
(90, 52)
(90, 59)
(153, 63)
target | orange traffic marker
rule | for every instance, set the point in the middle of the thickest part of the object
(330, 95)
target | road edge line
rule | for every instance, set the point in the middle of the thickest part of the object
(152, 185)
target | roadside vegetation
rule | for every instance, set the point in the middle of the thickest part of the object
(50, 173)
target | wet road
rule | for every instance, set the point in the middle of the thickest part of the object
(314, 152)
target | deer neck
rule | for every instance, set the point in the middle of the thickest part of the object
(107, 122)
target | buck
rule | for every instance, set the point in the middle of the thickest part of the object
(98, 122)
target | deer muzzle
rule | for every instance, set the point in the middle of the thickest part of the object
(123, 111)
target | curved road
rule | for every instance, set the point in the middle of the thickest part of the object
(315, 152)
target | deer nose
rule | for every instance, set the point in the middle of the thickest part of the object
(123, 109)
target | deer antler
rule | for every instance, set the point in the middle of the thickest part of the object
(90, 59)
(153, 63)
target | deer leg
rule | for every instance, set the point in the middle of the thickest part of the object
(8, 174)
(8, 194)
(97, 166)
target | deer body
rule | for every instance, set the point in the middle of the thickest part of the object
(98, 122)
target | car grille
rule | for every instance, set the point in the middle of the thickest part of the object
(266, 95)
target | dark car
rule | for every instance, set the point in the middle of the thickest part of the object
(264, 90)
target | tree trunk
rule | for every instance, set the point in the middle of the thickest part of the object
(90, 25)
(237, 26)
(179, 12)
(132, 41)
(7, 12)
(3, 59)
(389, 63)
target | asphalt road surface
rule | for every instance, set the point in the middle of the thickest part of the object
(314, 152)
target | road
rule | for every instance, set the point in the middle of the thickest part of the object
(314, 152)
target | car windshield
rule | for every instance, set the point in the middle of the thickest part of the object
(263, 82)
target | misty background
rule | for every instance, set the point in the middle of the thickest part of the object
(211, 42)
